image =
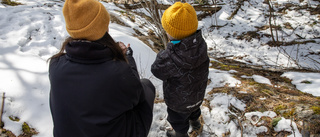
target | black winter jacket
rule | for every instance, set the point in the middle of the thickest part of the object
(93, 95)
(184, 69)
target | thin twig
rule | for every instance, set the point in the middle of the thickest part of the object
(294, 135)
(2, 107)
(270, 23)
(155, 11)
(215, 11)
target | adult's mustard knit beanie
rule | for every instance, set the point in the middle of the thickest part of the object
(86, 19)
(180, 20)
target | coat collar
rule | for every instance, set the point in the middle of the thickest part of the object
(190, 52)
(87, 52)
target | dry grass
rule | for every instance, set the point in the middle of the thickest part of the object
(282, 97)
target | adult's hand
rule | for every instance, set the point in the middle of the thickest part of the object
(124, 47)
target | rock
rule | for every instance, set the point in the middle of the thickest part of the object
(303, 111)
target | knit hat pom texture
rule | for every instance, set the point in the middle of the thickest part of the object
(180, 20)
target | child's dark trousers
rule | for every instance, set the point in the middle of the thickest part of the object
(180, 121)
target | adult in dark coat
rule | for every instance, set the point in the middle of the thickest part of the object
(95, 87)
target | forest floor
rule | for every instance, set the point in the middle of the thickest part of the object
(281, 96)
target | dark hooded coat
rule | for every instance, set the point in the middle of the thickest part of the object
(183, 68)
(93, 95)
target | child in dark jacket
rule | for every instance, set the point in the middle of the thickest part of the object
(183, 68)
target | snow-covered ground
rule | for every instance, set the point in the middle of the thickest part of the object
(31, 33)
(253, 14)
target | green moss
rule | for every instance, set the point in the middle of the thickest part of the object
(285, 79)
(312, 24)
(316, 109)
(315, 23)
(258, 85)
(11, 3)
(252, 82)
(224, 90)
(26, 128)
(221, 66)
(285, 87)
(249, 108)
(14, 118)
(278, 108)
(234, 67)
(275, 121)
(306, 82)
(228, 67)
(267, 91)
(288, 114)
(212, 61)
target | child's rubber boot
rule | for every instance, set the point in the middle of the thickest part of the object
(172, 133)
(195, 124)
(196, 127)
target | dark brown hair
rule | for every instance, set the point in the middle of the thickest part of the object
(63, 47)
(109, 42)
(106, 40)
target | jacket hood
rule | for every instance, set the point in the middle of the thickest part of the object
(82, 51)
(191, 52)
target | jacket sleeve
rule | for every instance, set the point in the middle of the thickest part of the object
(131, 85)
(163, 67)
(133, 66)
(132, 62)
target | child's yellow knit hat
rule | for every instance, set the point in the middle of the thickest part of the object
(86, 19)
(180, 20)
